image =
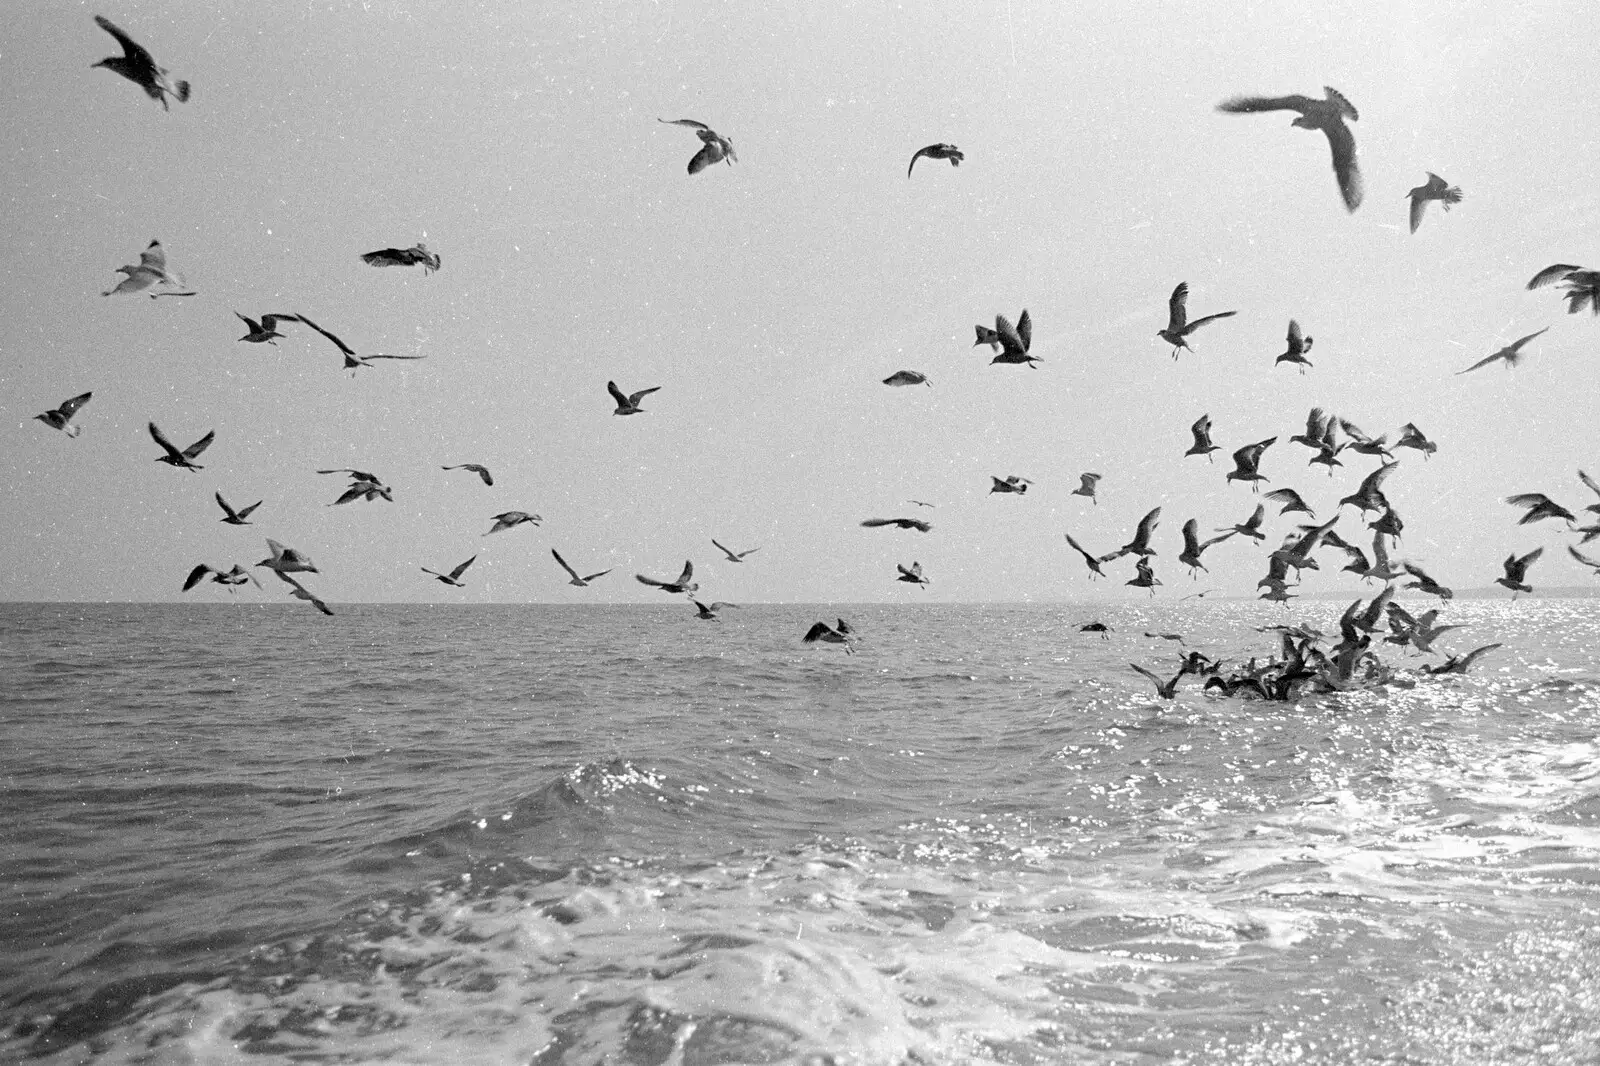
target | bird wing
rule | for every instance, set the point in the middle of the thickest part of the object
(1529, 499)
(691, 123)
(1554, 272)
(1197, 323)
(1518, 568)
(1582, 558)
(245, 512)
(1087, 482)
(817, 631)
(1010, 339)
(616, 394)
(364, 358)
(873, 523)
(1077, 547)
(131, 49)
(250, 324)
(1177, 307)
(564, 565)
(161, 439)
(337, 343)
(918, 154)
(1286, 496)
(458, 571)
(1025, 330)
(650, 581)
(70, 408)
(200, 445)
(641, 394)
(1517, 345)
(707, 155)
(1297, 344)
(270, 322)
(1191, 537)
(154, 257)
(1147, 526)
(299, 591)
(1202, 431)
(591, 577)
(688, 573)
(1239, 105)
(230, 511)
(195, 575)
(1342, 143)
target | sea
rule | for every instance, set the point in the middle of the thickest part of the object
(549, 834)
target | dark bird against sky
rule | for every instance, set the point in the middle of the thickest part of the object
(937, 151)
(416, 255)
(150, 275)
(139, 67)
(1327, 115)
(1178, 325)
(61, 417)
(182, 459)
(1436, 189)
(716, 148)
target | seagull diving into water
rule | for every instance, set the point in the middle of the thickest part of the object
(1327, 115)
(139, 67)
(718, 149)
(1511, 353)
(629, 405)
(937, 151)
(150, 273)
(183, 458)
(1436, 189)
(1178, 325)
(417, 254)
(61, 417)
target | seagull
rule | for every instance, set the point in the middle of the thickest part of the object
(733, 556)
(904, 523)
(1460, 664)
(1298, 347)
(1193, 546)
(685, 582)
(1436, 189)
(367, 490)
(477, 468)
(283, 560)
(413, 256)
(1096, 627)
(1247, 461)
(1140, 544)
(355, 475)
(454, 576)
(266, 329)
(237, 576)
(1589, 482)
(1425, 583)
(628, 405)
(1202, 438)
(1178, 325)
(937, 151)
(61, 417)
(1086, 486)
(232, 517)
(1327, 115)
(1092, 562)
(299, 592)
(1540, 506)
(913, 574)
(352, 361)
(1369, 496)
(580, 582)
(1250, 527)
(717, 148)
(908, 377)
(1012, 483)
(830, 634)
(1360, 442)
(1165, 689)
(708, 612)
(1291, 501)
(1144, 577)
(1013, 341)
(1412, 437)
(925, 503)
(1583, 286)
(150, 273)
(1584, 559)
(1298, 554)
(181, 459)
(508, 519)
(139, 67)
(1511, 353)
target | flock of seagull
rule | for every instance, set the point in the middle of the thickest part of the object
(1326, 435)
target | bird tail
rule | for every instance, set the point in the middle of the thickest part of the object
(183, 92)
(1452, 195)
(73, 431)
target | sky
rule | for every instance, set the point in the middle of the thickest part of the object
(768, 298)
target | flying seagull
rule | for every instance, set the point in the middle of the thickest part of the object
(454, 576)
(1089, 560)
(580, 582)
(1011, 483)
(61, 417)
(265, 330)
(1584, 559)
(717, 148)
(352, 361)
(1202, 438)
(508, 519)
(237, 576)
(1250, 527)
(1013, 342)
(1291, 501)
(904, 523)
(1193, 546)
(1460, 664)
(908, 377)
(477, 468)
(1178, 325)
(628, 405)
(1583, 286)
(1540, 506)
(1140, 544)
(1165, 689)
(1516, 571)
(283, 560)
(232, 517)
(684, 583)
(139, 67)
(840, 634)
(708, 612)
(1436, 189)
(1412, 437)
(149, 273)
(1511, 353)
(300, 592)
(1144, 577)
(364, 490)
(937, 151)
(912, 574)
(733, 556)
(417, 254)
(1298, 347)
(1247, 463)
(183, 458)
(1327, 115)
(1086, 487)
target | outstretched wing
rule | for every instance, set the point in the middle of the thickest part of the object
(1550, 274)
(1342, 143)
(200, 445)
(131, 49)
(567, 568)
(455, 575)
(70, 408)
(337, 343)
(1241, 105)
(1178, 307)
(166, 445)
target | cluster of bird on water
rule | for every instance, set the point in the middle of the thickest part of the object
(1327, 435)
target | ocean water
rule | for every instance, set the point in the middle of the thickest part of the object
(559, 835)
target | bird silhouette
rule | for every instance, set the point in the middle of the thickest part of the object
(1140, 544)
(1193, 546)
(182, 459)
(1540, 506)
(150, 273)
(285, 560)
(628, 405)
(232, 517)
(1412, 437)
(908, 377)
(61, 417)
(1298, 347)
(1250, 527)
(1435, 189)
(1291, 501)
(1589, 483)
(139, 67)
(1425, 583)
(266, 330)
(822, 631)
(1144, 576)
(1011, 483)
(684, 583)
(364, 490)
(1328, 115)
(937, 151)
(903, 523)
(454, 576)
(1167, 690)
(1178, 325)
(510, 519)
(237, 576)
(1369, 495)
(1202, 438)
(1096, 627)
(300, 592)
(1583, 286)
(1013, 342)
(477, 468)
(1091, 561)
(352, 361)
(1516, 571)
(911, 574)
(1357, 441)
(733, 556)
(416, 255)
(1511, 353)
(1247, 461)
(580, 582)
(1584, 559)
(1086, 487)
(716, 148)
(707, 612)
(1460, 664)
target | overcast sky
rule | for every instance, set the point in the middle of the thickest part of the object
(769, 298)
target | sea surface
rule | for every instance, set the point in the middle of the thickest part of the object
(580, 835)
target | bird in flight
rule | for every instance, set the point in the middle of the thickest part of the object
(1583, 286)
(1165, 689)
(1584, 559)
(1298, 347)
(1178, 325)
(708, 612)
(1140, 544)
(508, 519)
(628, 405)
(1328, 115)
(1593, 486)
(1250, 527)
(840, 634)
(237, 576)
(1540, 506)
(232, 517)
(364, 490)
(1369, 495)
(580, 582)
(912, 574)
(149, 273)
(1436, 189)
(139, 67)
(1086, 487)
(61, 417)
(1193, 546)
(1247, 462)
(454, 576)
(477, 468)
(1202, 438)
(300, 592)
(1011, 483)
(1516, 571)
(265, 330)
(717, 148)
(1460, 664)
(908, 377)
(1291, 500)
(684, 583)
(352, 361)
(283, 560)
(1412, 437)
(183, 458)
(416, 255)
(1144, 576)
(1012, 342)
(904, 523)
(937, 151)
(733, 556)
(1091, 561)
(1511, 353)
